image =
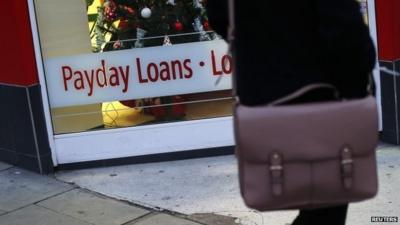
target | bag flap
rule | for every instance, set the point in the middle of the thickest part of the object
(312, 131)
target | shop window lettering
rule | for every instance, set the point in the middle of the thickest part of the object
(164, 71)
(109, 76)
(222, 66)
(101, 77)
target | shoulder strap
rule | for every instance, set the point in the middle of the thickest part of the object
(303, 91)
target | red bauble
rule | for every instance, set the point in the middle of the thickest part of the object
(178, 26)
(117, 45)
(130, 10)
(206, 25)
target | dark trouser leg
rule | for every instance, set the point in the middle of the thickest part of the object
(326, 216)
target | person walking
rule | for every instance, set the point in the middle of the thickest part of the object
(281, 46)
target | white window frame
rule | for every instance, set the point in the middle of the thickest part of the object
(132, 141)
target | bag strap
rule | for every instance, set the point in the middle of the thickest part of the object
(303, 91)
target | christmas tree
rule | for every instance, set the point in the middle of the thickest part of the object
(127, 24)
(144, 23)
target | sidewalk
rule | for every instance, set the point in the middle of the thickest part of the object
(187, 192)
(210, 186)
(31, 199)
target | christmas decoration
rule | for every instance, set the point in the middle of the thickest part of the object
(199, 28)
(197, 4)
(171, 2)
(110, 11)
(117, 45)
(130, 10)
(140, 34)
(125, 24)
(167, 41)
(178, 26)
(136, 22)
(206, 25)
(146, 13)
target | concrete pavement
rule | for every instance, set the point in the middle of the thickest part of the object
(31, 199)
(210, 185)
(188, 192)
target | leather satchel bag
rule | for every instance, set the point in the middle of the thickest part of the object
(306, 155)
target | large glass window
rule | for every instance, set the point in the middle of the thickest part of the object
(122, 63)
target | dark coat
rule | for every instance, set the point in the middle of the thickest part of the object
(284, 45)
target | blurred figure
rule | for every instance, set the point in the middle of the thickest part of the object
(281, 46)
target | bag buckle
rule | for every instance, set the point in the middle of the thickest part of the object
(276, 172)
(347, 167)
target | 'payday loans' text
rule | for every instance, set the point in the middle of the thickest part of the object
(117, 76)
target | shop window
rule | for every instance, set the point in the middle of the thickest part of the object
(122, 63)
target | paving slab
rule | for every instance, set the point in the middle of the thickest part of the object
(163, 219)
(35, 215)
(19, 188)
(4, 166)
(206, 185)
(213, 219)
(93, 208)
(210, 185)
(387, 202)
